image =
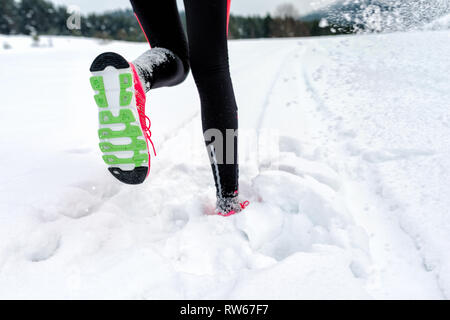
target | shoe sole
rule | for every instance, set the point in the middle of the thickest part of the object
(122, 141)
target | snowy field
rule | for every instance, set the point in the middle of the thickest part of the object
(345, 158)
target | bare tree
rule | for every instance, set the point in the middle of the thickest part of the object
(286, 10)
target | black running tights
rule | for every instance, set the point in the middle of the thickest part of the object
(207, 55)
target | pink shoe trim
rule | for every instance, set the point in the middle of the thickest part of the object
(140, 106)
(243, 205)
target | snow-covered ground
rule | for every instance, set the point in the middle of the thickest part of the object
(345, 148)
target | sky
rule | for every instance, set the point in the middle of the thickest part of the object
(244, 7)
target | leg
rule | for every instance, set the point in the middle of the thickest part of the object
(125, 136)
(167, 63)
(208, 50)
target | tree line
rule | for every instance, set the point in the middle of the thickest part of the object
(38, 17)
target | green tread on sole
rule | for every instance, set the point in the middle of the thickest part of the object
(135, 145)
(125, 80)
(130, 131)
(138, 159)
(100, 100)
(98, 85)
(125, 97)
(125, 116)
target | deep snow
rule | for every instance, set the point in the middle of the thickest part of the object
(344, 156)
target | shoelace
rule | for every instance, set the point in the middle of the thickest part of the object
(244, 204)
(146, 124)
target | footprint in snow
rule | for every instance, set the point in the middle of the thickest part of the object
(299, 214)
(42, 246)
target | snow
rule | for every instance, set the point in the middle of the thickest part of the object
(344, 157)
